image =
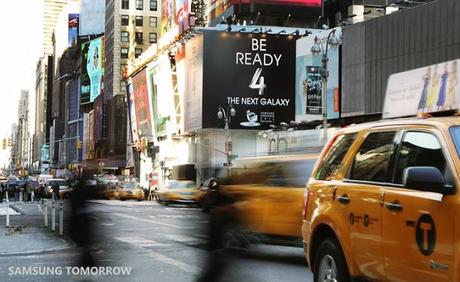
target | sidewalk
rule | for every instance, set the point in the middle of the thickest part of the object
(27, 234)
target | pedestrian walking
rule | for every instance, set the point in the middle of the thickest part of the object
(2, 192)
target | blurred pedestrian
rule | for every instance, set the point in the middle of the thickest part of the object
(81, 229)
(223, 223)
(2, 192)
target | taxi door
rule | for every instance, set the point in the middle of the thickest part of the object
(418, 226)
(360, 200)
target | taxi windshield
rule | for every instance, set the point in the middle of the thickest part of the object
(455, 133)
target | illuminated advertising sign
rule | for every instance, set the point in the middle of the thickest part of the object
(193, 99)
(162, 93)
(254, 73)
(141, 104)
(95, 66)
(308, 84)
(308, 3)
(428, 89)
(84, 78)
(73, 29)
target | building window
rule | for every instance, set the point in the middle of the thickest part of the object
(124, 36)
(153, 5)
(153, 37)
(139, 38)
(124, 20)
(124, 53)
(138, 52)
(139, 4)
(125, 4)
(122, 86)
(139, 21)
(153, 21)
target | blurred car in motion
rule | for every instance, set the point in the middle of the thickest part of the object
(130, 191)
(178, 192)
(112, 192)
(56, 183)
(268, 195)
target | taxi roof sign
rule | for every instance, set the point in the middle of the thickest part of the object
(429, 89)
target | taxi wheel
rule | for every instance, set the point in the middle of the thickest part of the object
(330, 264)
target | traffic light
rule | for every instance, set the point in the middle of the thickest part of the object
(10, 143)
(4, 140)
(78, 144)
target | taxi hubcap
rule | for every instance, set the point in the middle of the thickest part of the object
(327, 270)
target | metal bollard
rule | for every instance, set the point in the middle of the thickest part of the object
(20, 196)
(7, 212)
(46, 213)
(32, 196)
(61, 218)
(53, 216)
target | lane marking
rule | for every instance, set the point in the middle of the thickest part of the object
(186, 239)
(151, 221)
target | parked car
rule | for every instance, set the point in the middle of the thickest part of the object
(179, 192)
(130, 190)
(382, 203)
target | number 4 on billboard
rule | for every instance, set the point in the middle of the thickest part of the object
(258, 81)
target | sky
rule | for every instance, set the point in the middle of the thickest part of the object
(21, 25)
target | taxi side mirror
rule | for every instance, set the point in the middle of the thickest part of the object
(426, 178)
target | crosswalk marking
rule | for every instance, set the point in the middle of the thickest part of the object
(140, 242)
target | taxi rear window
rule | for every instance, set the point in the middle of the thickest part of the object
(455, 133)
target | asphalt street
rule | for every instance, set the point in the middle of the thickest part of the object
(153, 243)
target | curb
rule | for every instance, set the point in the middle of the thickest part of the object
(65, 245)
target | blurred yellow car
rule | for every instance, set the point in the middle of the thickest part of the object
(130, 190)
(267, 194)
(179, 192)
(112, 192)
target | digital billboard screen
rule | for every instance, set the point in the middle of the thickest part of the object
(254, 73)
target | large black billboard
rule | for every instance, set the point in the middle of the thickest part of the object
(255, 73)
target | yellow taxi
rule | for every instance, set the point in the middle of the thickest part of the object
(268, 195)
(130, 191)
(382, 203)
(178, 192)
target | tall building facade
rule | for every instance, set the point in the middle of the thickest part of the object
(131, 26)
(41, 82)
(51, 11)
(21, 154)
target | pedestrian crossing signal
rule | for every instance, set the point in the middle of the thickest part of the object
(78, 144)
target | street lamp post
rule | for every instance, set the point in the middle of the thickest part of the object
(227, 115)
(318, 48)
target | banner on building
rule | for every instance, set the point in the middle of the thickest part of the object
(132, 113)
(254, 73)
(85, 84)
(193, 84)
(161, 93)
(308, 80)
(429, 89)
(141, 104)
(95, 66)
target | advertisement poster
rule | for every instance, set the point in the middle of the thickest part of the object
(428, 89)
(95, 66)
(141, 104)
(193, 84)
(73, 30)
(308, 81)
(182, 19)
(85, 83)
(168, 16)
(254, 73)
(162, 94)
(313, 87)
(132, 113)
